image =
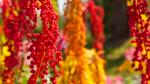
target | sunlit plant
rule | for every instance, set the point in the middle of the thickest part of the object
(139, 26)
(43, 50)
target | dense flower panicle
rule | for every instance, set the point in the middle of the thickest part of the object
(14, 34)
(80, 64)
(29, 15)
(13, 28)
(97, 14)
(74, 27)
(74, 68)
(43, 45)
(139, 22)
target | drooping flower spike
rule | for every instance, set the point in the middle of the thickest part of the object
(96, 17)
(12, 29)
(139, 19)
(74, 66)
(43, 45)
(74, 27)
(80, 63)
(14, 33)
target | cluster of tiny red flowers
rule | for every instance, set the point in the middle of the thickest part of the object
(139, 30)
(12, 30)
(43, 45)
(97, 14)
(14, 34)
